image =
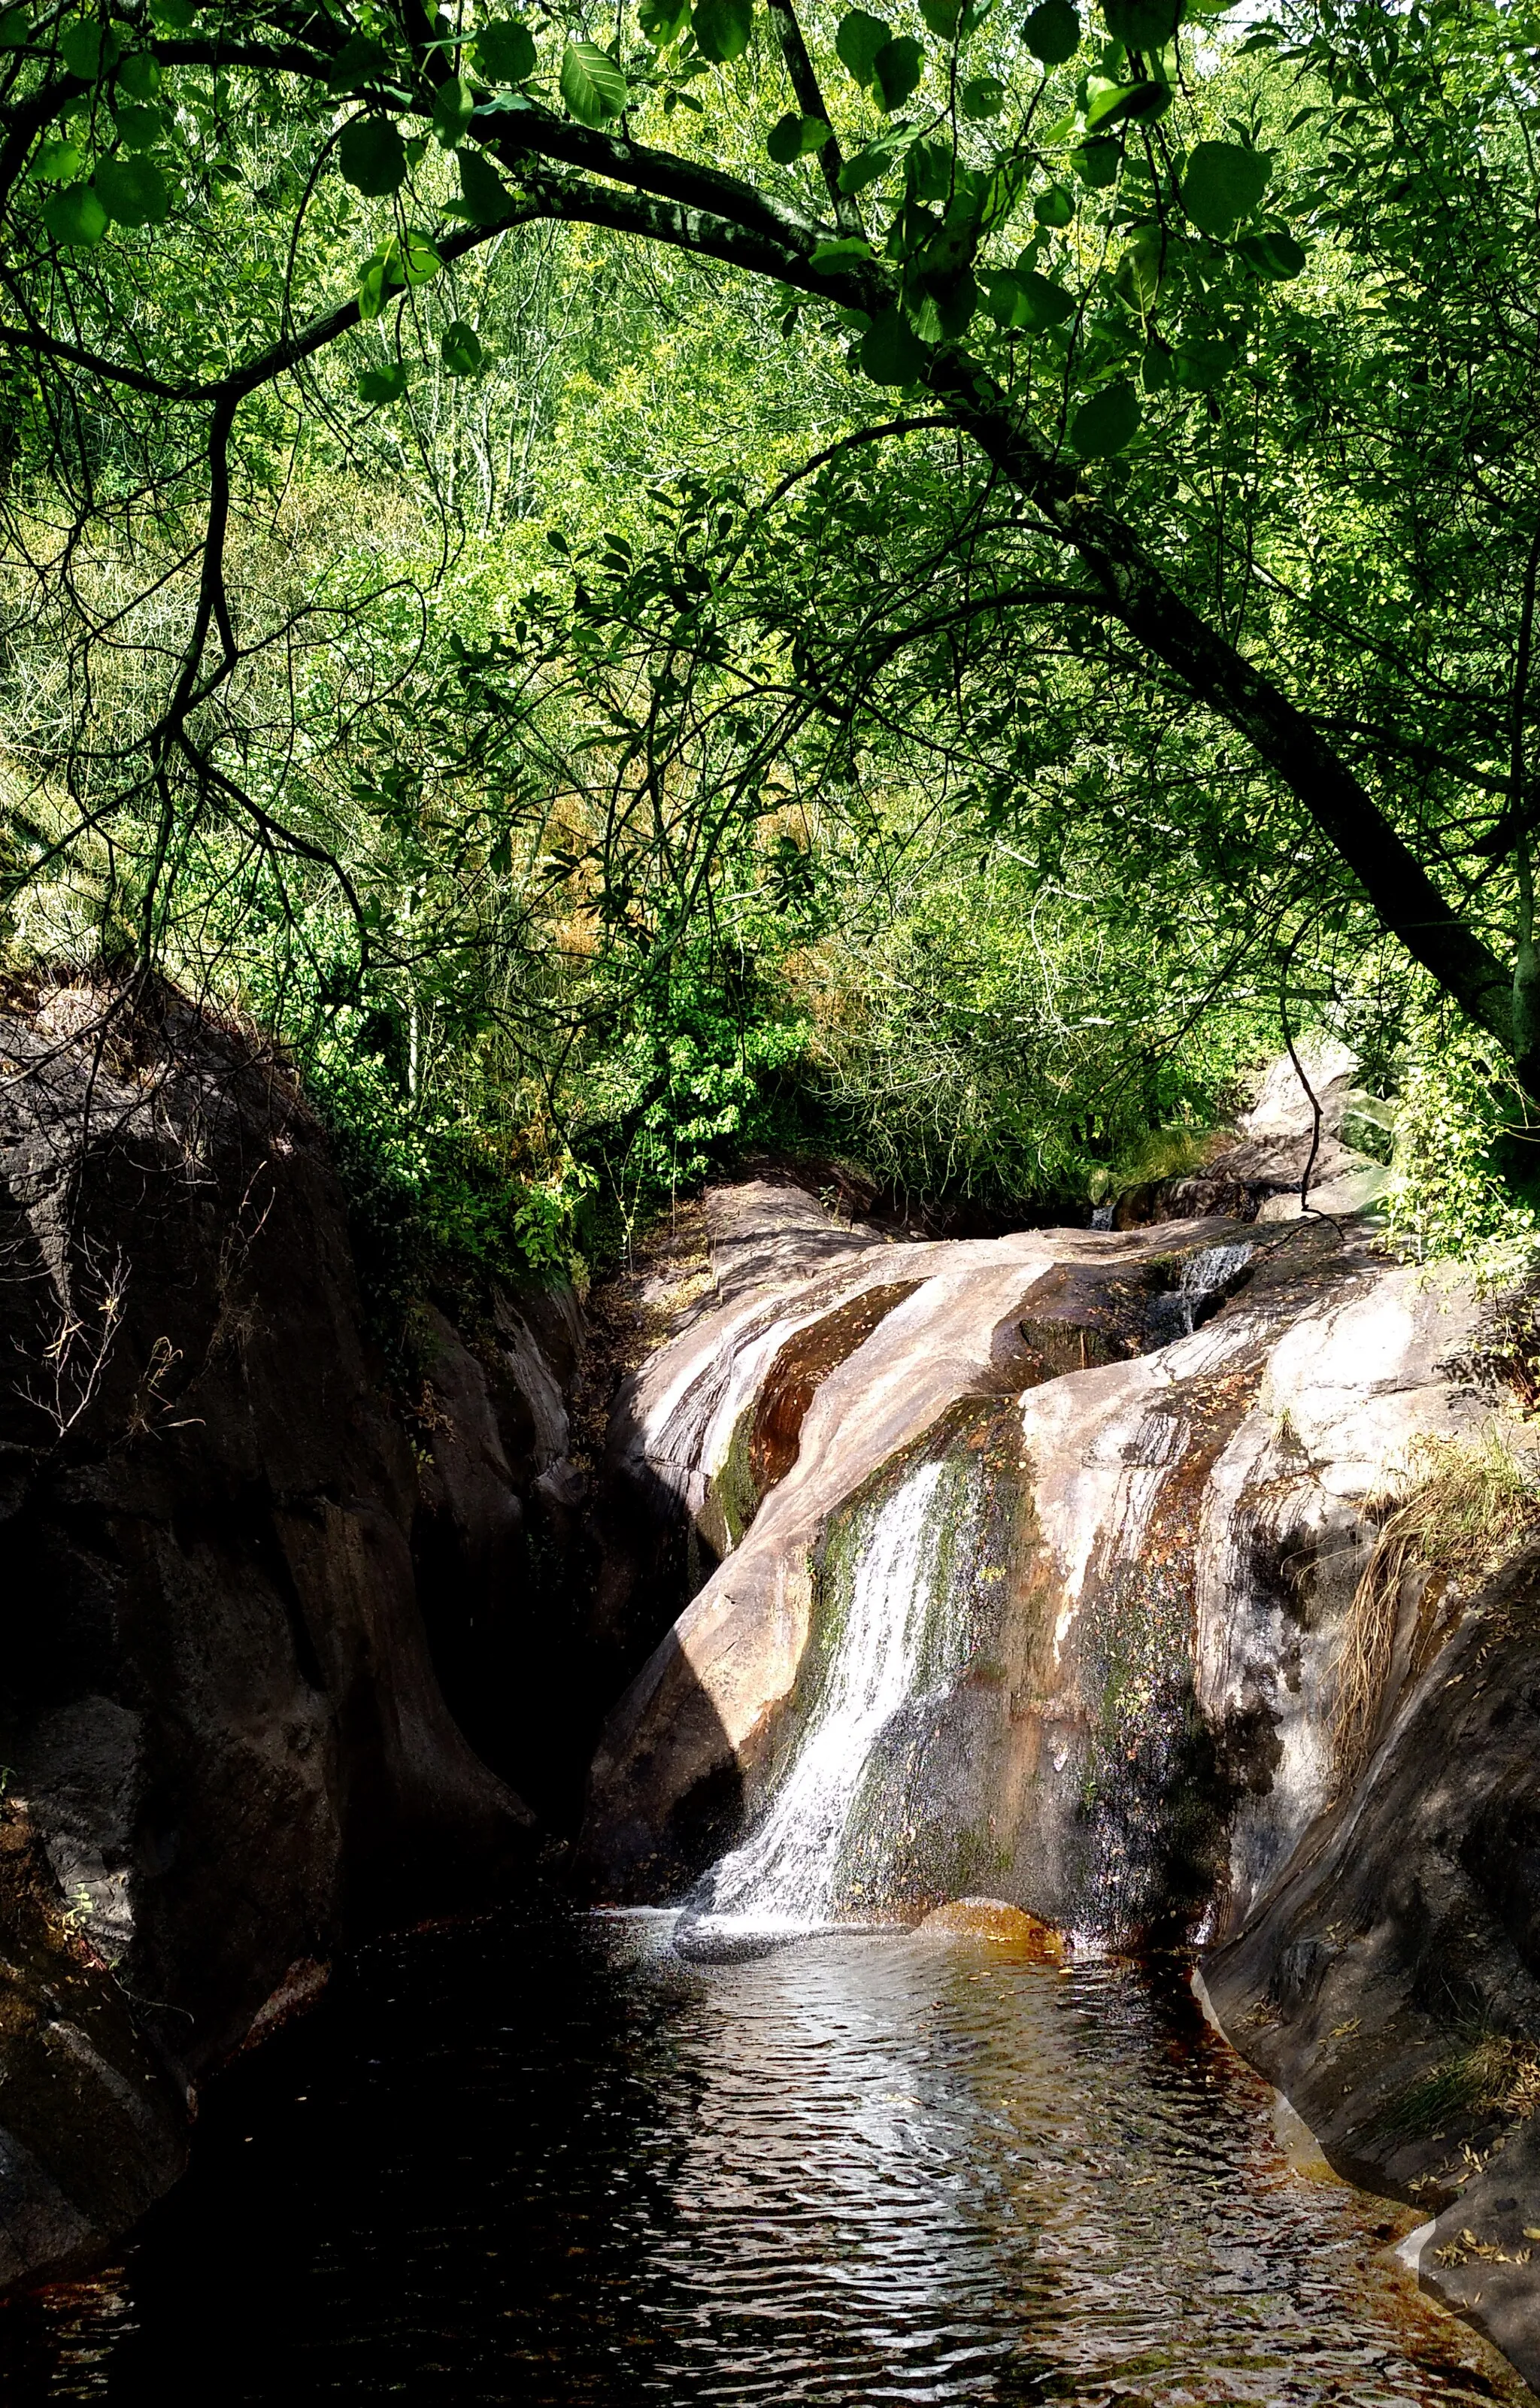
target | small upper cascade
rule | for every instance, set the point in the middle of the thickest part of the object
(785, 1877)
(1207, 1278)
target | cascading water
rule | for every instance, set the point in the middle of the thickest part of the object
(1207, 1278)
(785, 1878)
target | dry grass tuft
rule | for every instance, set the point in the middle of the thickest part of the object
(1460, 1511)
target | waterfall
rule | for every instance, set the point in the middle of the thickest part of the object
(784, 1876)
(1207, 1278)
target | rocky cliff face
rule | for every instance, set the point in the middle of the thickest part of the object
(1128, 1484)
(222, 1738)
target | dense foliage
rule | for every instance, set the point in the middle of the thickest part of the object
(911, 585)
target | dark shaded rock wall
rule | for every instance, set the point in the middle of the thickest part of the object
(225, 1745)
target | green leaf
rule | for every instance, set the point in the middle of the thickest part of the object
(896, 70)
(1110, 104)
(942, 18)
(1275, 254)
(418, 259)
(593, 85)
(454, 105)
(1143, 25)
(15, 26)
(174, 16)
(372, 155)
(1108, 421)
(393, 263)
(1054, 207)
(1096, 163)
(890, 352)
(140, 126)
(792, 136)
(846, 251)
(663, 21)
(139, 75)
(858, 42)
(1044, 304)
(954, 298)
(723, 28)
(1156, 372)
(133, 190)
(507, 50)
(460, 349)
(81, 49)
(383, 384)
(486, 197)
(1202, 363)
(56, 163)
(874, 159)
(1222, 182)
(1052, 32)
(361, 61)
(75, 217)
(982, 96)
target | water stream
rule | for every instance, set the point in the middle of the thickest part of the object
(785, 1878)
(553, 2163)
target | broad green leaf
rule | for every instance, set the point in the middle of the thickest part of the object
(874, 159)
(81, 49)
(486, 197)
(1110, 104)
(723, 28)
(890, 352)
(393, 263)
(928, 166)
(942, 18)
(133, 190)
(1145, 266)
(1156, 369)
(1043, 303)
(139, 75)
(593, 85)
(56, 163)
(359, 61)
(1222, 182)
(663, 21)
(174, 16)
(896, 70)
(454, 104)
(1106, 423)
(15, 26)
(846, 251)
(1143, 25)
(460, 349)
(1202, 363)
(792, 136)
(1052, 32)
(418, 258)
(372, 155)
(858, 42)
(140, 126)
(1096, 162)
(1275, 254)
(75, 217)
(1054, 207)
(507, 50)
(383, 384)
(953, 298)
(982, 96)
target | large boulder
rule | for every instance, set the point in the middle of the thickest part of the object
(225, 1744)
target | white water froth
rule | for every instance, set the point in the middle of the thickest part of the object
(783, 1877)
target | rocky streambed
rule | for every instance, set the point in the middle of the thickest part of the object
(1133, 1578)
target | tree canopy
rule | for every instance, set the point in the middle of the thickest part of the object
(1143, 488)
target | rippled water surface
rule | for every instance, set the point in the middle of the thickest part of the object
(556, 2164)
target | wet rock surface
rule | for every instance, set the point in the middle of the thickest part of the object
(1133, 1480)
(224, 1744)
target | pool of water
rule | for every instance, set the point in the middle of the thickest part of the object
(554, 2163)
